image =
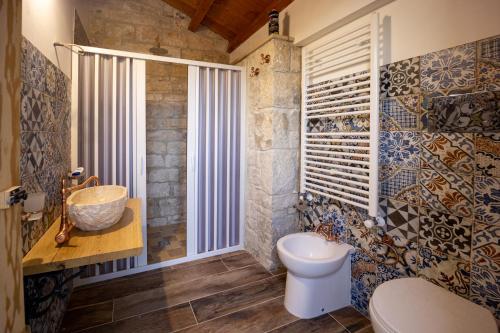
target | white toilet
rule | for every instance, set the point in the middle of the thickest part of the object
(319, 274)
(414, 305)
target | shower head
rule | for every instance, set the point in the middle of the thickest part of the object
(157, 49)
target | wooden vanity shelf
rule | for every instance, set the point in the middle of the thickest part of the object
(122, 240)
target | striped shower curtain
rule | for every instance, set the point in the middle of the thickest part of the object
(110, 89)
(217, 151)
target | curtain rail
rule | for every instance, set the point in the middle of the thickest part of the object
(144, 56)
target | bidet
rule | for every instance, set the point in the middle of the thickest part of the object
(319, 274)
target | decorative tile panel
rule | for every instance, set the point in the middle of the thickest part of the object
(474, 112)
(485, 246)
(445, 233)
(401, 255)
(489, 49)
(488, 154)
(32, 152)
(447, 191)
(364, 279)
(54, 291)
(401, 218)
(449, 69)
(45, 135)
(408, 258)
(400, 149)
(51, 79)
(45, 158)
(387, 273)
(488, 76)
(346, 124)
(448, 152)
(400, 78)
(443, 211)
(445, 271)
(33, 109)
(487, 205)
(315, 125)
(399, 184)
(488, 67)
(33, 66)
(485, 289)
(400, 113)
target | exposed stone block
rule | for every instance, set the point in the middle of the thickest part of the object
(154, 161)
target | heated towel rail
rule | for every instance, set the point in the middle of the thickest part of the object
(340, 115)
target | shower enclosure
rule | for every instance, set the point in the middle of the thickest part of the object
(115, 133)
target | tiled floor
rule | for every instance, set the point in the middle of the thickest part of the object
(166, 242)
(230, 293)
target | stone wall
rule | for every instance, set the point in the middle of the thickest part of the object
(273, 140)
(134, 26)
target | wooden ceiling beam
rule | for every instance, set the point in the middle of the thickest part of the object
(182, 6)
(259, 21)
(212, 25)
(199, 15)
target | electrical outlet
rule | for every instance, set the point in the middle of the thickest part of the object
(12, 196)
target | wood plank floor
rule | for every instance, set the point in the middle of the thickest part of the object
(227, 293)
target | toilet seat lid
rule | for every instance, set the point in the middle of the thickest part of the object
(415, 305)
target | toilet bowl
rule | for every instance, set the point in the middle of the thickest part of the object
(319, 274)
(412, 305)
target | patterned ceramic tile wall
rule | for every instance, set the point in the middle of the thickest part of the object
(439, 192)
(45, 158)
(45, 135)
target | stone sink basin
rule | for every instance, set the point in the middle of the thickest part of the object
(98, 207)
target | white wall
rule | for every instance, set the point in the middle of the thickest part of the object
(416, 27)
(47, 21)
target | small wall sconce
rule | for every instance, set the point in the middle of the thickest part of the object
(265, 59)
(254, 71)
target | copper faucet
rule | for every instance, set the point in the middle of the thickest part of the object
(326, 230)
(66, 226)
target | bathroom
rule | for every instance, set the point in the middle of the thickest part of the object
(236, 188)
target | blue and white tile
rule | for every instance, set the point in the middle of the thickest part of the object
(449, 69)
(387, 273)
(400, 149)
(51, 79)
(488, 66)
(363, 280)
(474, 112)
(34, 65)
(485, 289)
(62, 86)
(399, 184)
(346, 124)
(445, 271)
(33, 109)
(400, 113)
(487, 203)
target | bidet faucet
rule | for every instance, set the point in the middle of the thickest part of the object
(65, 226)
(326, 230)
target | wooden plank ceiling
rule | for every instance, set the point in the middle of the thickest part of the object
(234, 20)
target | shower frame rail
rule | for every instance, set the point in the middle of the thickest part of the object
(140, 151)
